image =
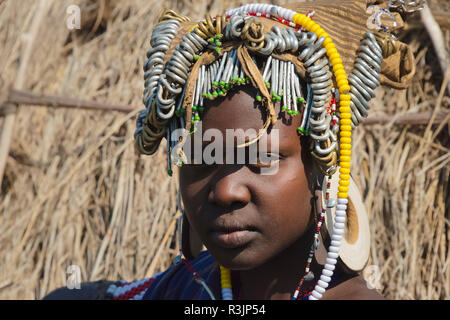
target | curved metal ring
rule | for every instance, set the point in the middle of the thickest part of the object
(362, 88)
(321, 85)
(175, 77)
(315, 57)
(324, 152)
(175, 91)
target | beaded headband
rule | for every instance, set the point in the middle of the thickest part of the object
(289, 57)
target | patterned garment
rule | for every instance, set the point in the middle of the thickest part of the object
(177, 283)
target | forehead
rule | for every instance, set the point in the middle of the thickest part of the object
(241, 113)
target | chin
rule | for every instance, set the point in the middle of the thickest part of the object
(243, 258)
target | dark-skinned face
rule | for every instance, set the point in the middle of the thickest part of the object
(243, 217)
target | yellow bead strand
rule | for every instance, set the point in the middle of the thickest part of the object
(225, 277)
(344, 103)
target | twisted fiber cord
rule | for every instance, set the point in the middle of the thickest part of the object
(153, 132)
(170, 14)
(325, 162)
(386, 42)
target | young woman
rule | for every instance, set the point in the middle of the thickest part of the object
(274, 222)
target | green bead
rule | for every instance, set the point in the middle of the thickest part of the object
(201, 109)
(283, 108)
(215, 94)
(301, 130)
(222, 83)
(258, 98)
(204, 94)
(196, 57)
(197, 118)
(300, 99)
(192, 121)
(215, 84)
(218, 49)
(194, 108)
(267, 84)
(278, 98)
(296, 112)
(209, 96)
(227, 86)
(211, 40)
(170, 172)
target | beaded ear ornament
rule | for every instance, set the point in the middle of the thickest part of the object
(220, 53)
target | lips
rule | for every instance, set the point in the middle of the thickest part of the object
(232, 235)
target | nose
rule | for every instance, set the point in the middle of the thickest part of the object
(231, 188)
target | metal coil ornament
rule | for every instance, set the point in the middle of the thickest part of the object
(408, 6)
(164, 84)
(365, 77)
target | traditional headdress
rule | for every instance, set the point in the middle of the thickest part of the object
(324, 57)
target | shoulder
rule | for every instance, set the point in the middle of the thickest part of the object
(161, 284)
(355, 288)
(104, 290)
(87, 291)
(179, 283)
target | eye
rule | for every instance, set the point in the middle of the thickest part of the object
(266, 160)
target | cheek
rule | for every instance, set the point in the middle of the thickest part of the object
(193, 192)
(289, 203)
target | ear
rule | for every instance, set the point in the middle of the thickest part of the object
(190, 241)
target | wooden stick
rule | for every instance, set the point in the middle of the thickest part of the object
(32, 99)
(409, 118)
(442, 19)
(437, 38)
(8, 123)
(21, 97)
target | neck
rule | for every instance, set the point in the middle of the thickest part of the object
(277, 279)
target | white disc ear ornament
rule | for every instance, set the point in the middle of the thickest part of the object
(355, 244)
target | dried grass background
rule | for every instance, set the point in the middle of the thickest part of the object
(75, 192)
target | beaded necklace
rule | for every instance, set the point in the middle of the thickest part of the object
(227, 289)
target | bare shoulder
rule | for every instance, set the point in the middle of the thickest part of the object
(353, 289)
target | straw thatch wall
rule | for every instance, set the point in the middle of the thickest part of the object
(75, 193)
